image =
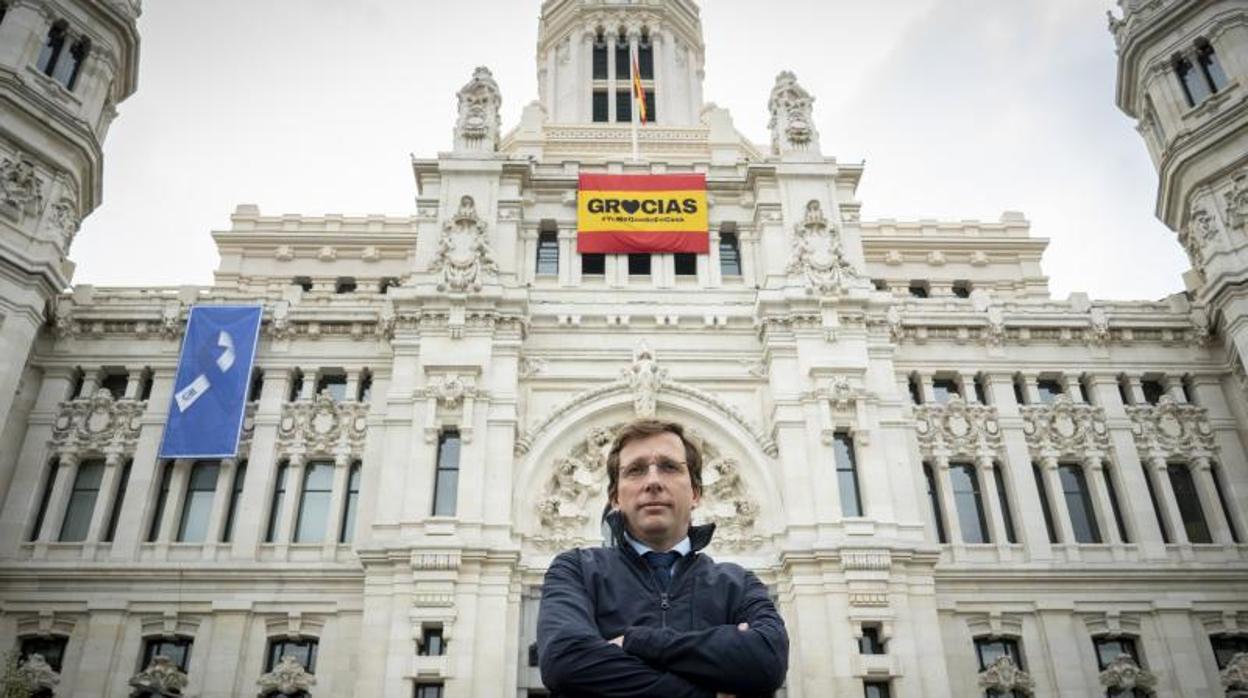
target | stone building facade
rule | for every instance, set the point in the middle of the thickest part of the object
(953, 483)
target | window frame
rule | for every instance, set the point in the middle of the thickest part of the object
(26, 645)
(273, 654)
(547, 254)
(730, 241)
(445, 503)
(153, 644)
(74, 506)
(306, 517)
(1192, 514)
(1083, 497)
(845, 458)
(194, 503)
(972, 497)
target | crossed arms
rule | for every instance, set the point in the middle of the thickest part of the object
(724, 659)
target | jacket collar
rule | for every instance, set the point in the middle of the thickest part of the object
(699, 536)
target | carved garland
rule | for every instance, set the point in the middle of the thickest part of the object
(958, 428)
(1065, 428)
(1171, 428)
(321, 426)
(98, 424)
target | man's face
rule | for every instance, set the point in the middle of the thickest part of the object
(655, 492)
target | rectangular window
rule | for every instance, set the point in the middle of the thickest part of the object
(686, 263)
(602, 107)
(236, 496)
(990, 649)
(296, 386)
(50, 647)
(970, 504)
(870, 642)
(1189, 503)
(1112, 491)
(176, 650)
(547, 252)
(847, 474)
(255, 386)
(1003, 500)
(1020, 390)
(69, 64)
(876, 689)
(49, 482)
(82, 501)
(275, 506)
(428, 690)
(645, 58)
(162, 500)
(981, 389)
(387, 283)
(945, 388)
(1225, 647)
(1210, 66)
(446, 481)
(303, 282)
(313, 516)
(593, 264)
(623, 61)
(1153, 391)
(431, 642)
(652, 108)
(915, 383)
(1049, 389)
(115, 383)
(600, 58)
(1224, 502)
(351, 505)
(334, 383)
(52, 47)
(961, 289)
(303, 649)
(639, 265)
(623, 106)
(1109, 648)
(933, 499)
(1079, 504)
(1195, 89)
(729, 254)
(119, 499)
(345, 284)
(1043, 491)
(918, 289)
(197, 508)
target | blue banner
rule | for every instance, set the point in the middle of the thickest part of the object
(210, 389)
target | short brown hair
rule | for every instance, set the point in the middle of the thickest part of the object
(641, 428)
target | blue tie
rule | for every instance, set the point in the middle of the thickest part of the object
(662, 564)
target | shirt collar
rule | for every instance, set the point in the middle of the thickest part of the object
(683, 547)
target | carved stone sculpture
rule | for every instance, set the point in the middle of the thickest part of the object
(818, 255)
(1235, 676)
(1124, 674)
(161, 678)
(287, 677)
(464, 255)
(21, 189)
(1003, 675)
(958, 427)
(1171, 428)
(645, 377)
(35, 674)
(792, 124)
(97, 423)
(323, 426)
(478, 126)
(1237, 203)
(64, 222)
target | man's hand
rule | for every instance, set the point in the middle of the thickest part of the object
(618, 641)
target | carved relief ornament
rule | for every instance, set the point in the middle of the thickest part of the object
(479, 123)
(957, 427)
(1124, 674)
(35, 675)
(1237, 203)
(162, 678)
(98, 424)
(1234, 677)
(1003, 675)
(792, 117)
(287, 678)
(464, 256)
(1065, 427)
(322, 426)
(1171, 428)
(21, 189)
(451, 399)
(818, 255)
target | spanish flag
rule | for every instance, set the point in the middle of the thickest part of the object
(621, 214)
(639, 94)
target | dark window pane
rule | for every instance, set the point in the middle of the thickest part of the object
(119, 500)
(1107, 649)
(82, 501)
(981, 390)
(364, 391)
(1189, 503)
(49, 482)
(600, 59)
(593, 264)
(645, 58)
(51, 50)
(1003, 500)
(345, 284)
(176, 650)
(431, 643)
(1043, 491)
(1211, 67)
(1225, 647)
(877, 689)
(989, 650)
(944, 388)
(1195, 89)
(534, 660)
(548, 253)
(198, 505)
(967, 497)
(115, 384)
(69, 63)
(623, 106)
(303, 282)
(446, 483)
(318, 483)
(1049, 390)
(162, 500)
(1112, 491)
(729, 255)
(652, 108)
(916, 388)
(686, 264)
(334, 383)
(275, 507)
(256, 385)
(302, 649)
(1152, 496)
(918, 290)
(870, 642)
(429, 690)
(623, 62)
(1079, 504)
(962, 290)
(236, 495)
(639, 265)
(350, 505)
(847, 475)
(52, 649)
(1020, 392)
(1153, 390)
(1222, 500)
(602, 107)
(933, 498)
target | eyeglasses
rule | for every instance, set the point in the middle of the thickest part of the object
(638, 470)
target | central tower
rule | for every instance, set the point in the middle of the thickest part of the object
(583, 60)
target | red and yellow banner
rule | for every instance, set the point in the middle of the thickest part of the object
(621, 214)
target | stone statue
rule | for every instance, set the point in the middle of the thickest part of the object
(479, 123)
(646, 378)
(792, 124)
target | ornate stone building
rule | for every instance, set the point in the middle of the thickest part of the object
(954, 483)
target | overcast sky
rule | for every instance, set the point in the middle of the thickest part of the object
(960, 108)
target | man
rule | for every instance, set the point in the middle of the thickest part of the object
(652, 616)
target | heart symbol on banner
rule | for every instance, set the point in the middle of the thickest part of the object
(631, 206)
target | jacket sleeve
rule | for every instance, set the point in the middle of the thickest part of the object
(576, 661)
(724, 658)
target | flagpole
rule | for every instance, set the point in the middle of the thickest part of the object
(635, 111)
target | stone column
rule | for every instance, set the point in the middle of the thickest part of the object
(944, 483)
(251, 516)
(1202, 474)
(290, 500)
(220, 502)
(986, 467)
(308, 390)
(966, 382)
(66, 472)
(583, 78)
(337, 501)
(612, 37)
(1166, 500)
(104, 500)
(145, 472)
(1174, 388)
(1071, 385)
(175, 500)
(1057, 500)
(1094, 468)
(926, 392)
(1028, 514)
(1135, 390)
(1031, 389)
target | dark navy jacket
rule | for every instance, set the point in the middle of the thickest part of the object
(684, 642)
